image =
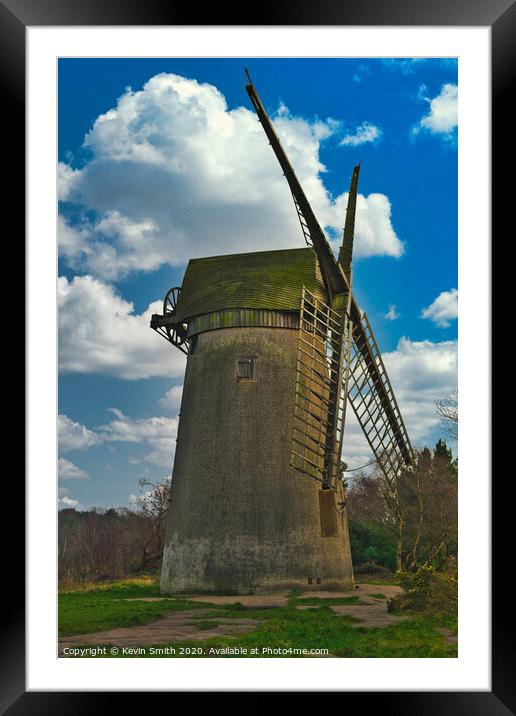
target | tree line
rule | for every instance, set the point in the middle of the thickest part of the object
(101, 544)
(401, 523)
(408, 521)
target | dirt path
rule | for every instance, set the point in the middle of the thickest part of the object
(258, 601)
(182, 626)
(372, 610)
(178, 626)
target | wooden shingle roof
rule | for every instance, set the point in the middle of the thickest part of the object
(270, 280)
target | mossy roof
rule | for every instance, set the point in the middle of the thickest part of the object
(270, 280)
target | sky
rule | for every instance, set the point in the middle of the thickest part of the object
(163, 160)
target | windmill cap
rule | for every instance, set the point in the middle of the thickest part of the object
(266, 280)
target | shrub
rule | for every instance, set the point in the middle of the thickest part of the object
(372, 543)
(427, 591)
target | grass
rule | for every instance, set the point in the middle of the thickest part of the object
(331, 601)
(146, 585)
(377, 596)
(377, 581)
(104, 607)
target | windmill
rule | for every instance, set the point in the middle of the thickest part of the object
(277, 346)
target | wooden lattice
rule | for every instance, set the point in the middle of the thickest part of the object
(322, 356)
(372, 399)
(339, 361)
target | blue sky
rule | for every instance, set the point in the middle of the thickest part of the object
(162, 159)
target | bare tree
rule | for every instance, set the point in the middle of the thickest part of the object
(153, 504)
(418, 506)
(107, 544)
(448, 410)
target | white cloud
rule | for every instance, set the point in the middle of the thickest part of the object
(66, 178)
(172, 398)
(126, 429)
(355, 450)
(363, 134)
(74, 436)
(374, 234)
(175, 174)
(67, 503)
(443, 114)
(100, 333)
(444, 309)
(64, 501)
(420, 372)
(392, 314)
(157, 432)
(101, 245)
(68, 470)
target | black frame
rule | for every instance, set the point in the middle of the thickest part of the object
(15, 16)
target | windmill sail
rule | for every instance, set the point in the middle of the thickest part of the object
(346, 250)
(347, 351)
(372, 398)
(313, 233)
(324, 346)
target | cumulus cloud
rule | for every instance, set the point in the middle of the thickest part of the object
(363, 134)
(111, 246)
(373, 228)
(66, 178)
(442, 117)
(421, 372)
(64, 501)
(444, 309)
(74, 436)
(175, 174)
(68, 470)
(355, 450)
(99, 332)
(392, 314)
(172, 398)
(157, 432)
(67, 503)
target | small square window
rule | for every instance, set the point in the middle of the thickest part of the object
(246, 369)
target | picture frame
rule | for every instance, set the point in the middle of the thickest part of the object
(16, 17)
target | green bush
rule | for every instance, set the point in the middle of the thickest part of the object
(372, 543)
(427, 591)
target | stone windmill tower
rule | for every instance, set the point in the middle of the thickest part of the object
(276, 348)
